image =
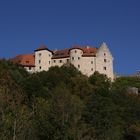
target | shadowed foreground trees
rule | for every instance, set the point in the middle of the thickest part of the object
(63, 104)
(15, 115)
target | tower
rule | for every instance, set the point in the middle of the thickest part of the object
(104, 61)
(76, 57)
(42, 58)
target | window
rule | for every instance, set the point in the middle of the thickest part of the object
(49, 62)
(91, 69)
(72, 58)
(49, 55)
(40, 67)
(78, 66)
(91, 62)
(39, 54)
(39, 61)
(30, 68)
(104, 54)
(75, 51)
(67, 60)
(60, 61)
(54, 61)
(104, 68)
(105, 60)
(78, 58)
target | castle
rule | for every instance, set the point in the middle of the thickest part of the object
(86, 59)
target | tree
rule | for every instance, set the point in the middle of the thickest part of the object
(63, 104)
(102, 114)
(62, 116)
(81, 87)
(100, 82)
(122, 83)
(15, 116)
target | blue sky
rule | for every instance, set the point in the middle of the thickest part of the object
(25, 24)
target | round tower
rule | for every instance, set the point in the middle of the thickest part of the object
(76, 57)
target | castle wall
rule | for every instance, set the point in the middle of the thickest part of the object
(84, 64)
(76, 58)
(59, 62)
(104, 61)
(88, 65)
(43, 60)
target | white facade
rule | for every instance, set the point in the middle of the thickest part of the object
(59, 61)
(43, 60)
(102, 61)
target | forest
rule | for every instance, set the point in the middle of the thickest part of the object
(63, 104)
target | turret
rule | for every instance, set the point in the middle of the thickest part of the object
(76, 56)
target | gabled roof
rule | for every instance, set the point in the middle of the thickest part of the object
(43, 47)
(27, 60)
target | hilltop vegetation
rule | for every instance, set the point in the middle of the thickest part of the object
(63, 104)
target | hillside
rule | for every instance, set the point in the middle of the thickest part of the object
(63, 104)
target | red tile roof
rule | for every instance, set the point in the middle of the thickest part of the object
(60, 54)
(76, 47)
(87, 51)
(24, 60)
(29, 59)
(42, 47)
